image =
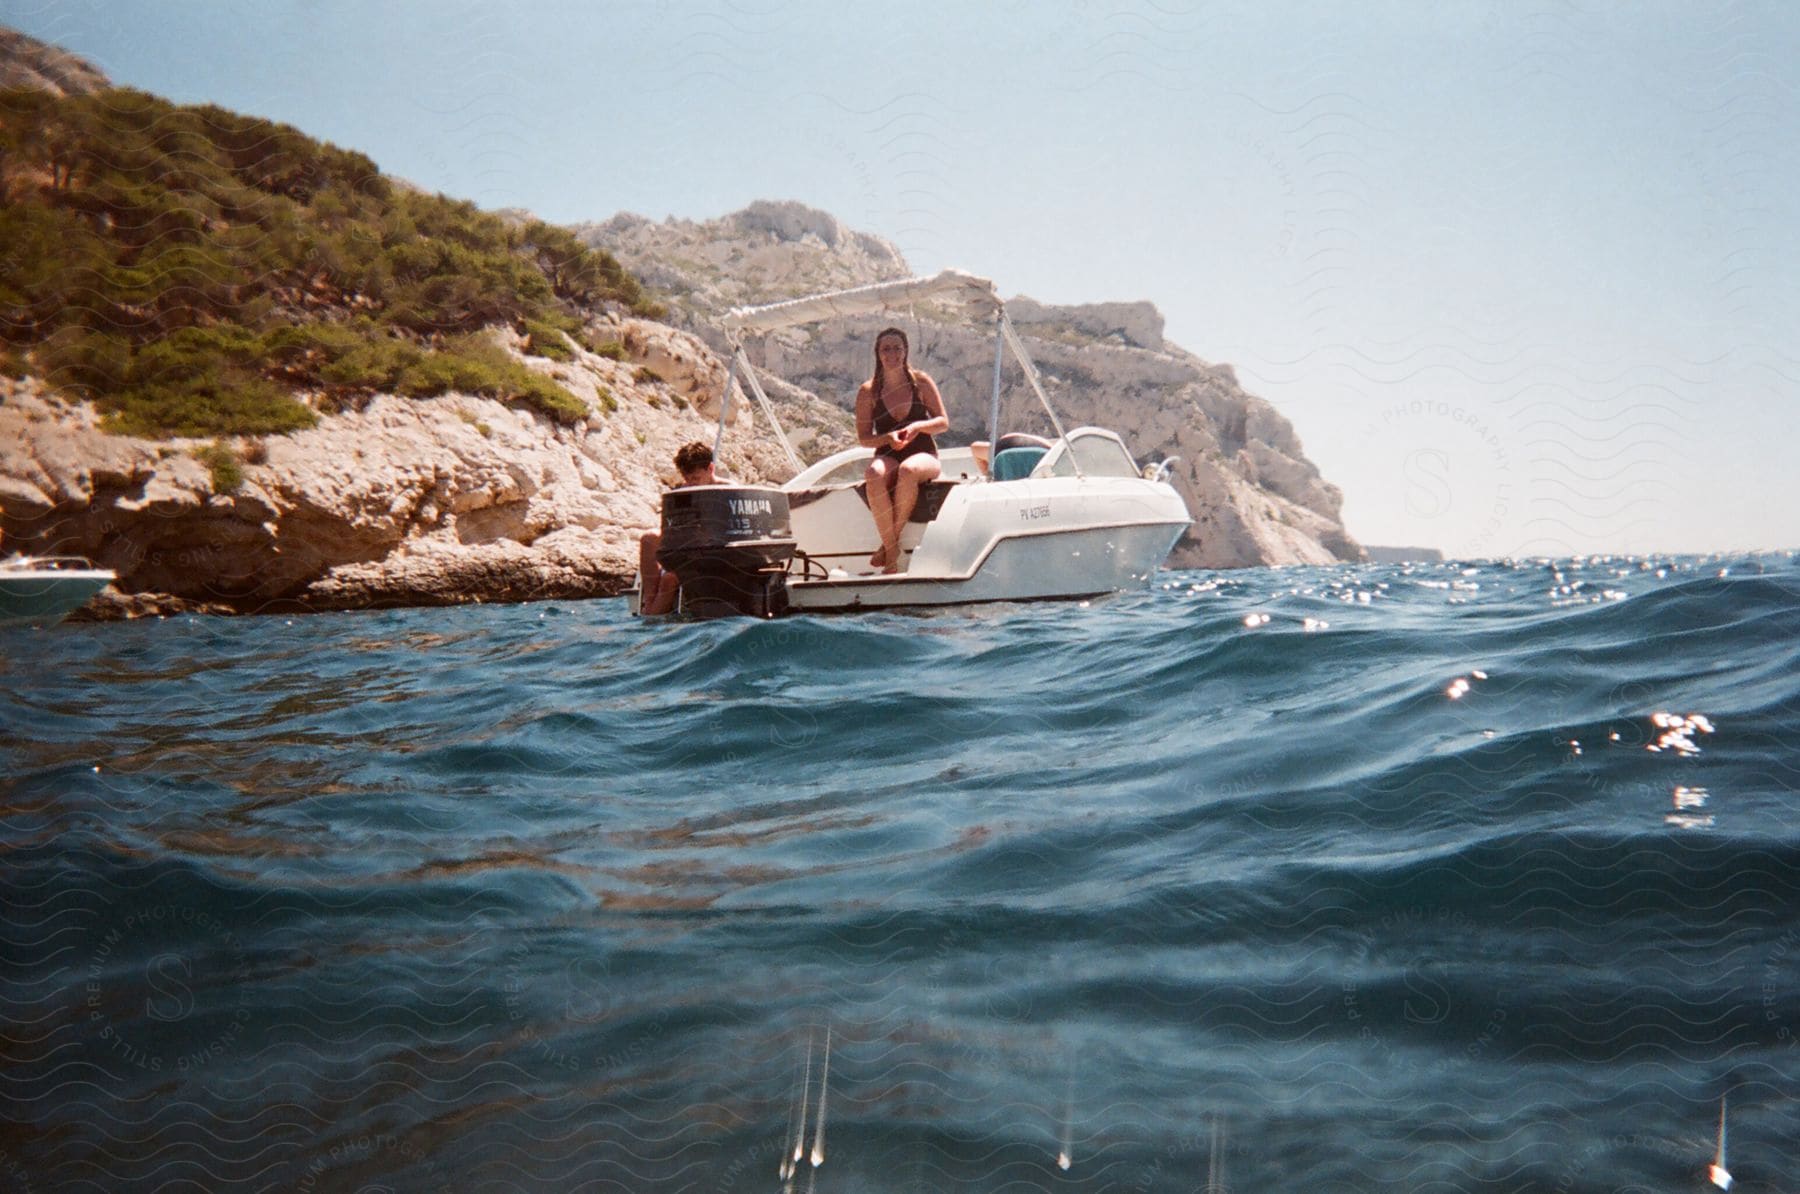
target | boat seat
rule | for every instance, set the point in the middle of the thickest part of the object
(931, 498)
(1013, 464)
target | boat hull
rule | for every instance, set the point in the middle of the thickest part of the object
(31, 597)
(1037, 538)
(1064, 564)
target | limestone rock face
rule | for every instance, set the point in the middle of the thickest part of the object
(1255, 497)
(768, 251)
(405, 502)
(1138, 325)
(30, 63)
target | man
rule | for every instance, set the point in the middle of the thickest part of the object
(658, 586)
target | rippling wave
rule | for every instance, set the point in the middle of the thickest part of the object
(1465, 876)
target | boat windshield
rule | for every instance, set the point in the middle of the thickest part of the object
(1100, 455)
(847, 473)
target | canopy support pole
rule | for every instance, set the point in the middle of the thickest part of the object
(768, 408)
(994, 407)
(725, 402)
(1024, 359)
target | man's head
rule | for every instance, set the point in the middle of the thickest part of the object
(695, 462)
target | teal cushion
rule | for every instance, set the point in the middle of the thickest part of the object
(1015, 463)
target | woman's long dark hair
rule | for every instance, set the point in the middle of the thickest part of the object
(875, 381)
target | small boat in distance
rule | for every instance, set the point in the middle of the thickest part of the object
(1060, 519)
(43, 590)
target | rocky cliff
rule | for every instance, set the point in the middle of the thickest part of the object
(1255, 496)
(766, 252)
(402, 502)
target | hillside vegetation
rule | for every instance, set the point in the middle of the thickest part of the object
(187, 269)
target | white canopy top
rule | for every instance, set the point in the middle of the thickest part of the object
(978, 293)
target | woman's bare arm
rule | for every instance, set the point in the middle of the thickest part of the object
(939, 422)
(865, 419)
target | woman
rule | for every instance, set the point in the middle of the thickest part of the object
(898, 410)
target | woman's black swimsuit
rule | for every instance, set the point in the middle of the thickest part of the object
(886, 423)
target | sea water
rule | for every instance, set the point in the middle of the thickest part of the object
(1458, 876)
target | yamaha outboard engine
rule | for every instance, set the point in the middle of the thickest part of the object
(730, 545)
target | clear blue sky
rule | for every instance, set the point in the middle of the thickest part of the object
(1523, 274)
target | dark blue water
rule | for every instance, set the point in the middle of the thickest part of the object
(1388, 891)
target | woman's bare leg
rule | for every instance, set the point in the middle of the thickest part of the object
(878, 479)
(914, 472)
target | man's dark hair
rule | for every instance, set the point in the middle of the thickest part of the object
(693, 457)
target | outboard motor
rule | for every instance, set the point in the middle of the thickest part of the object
(730, 545)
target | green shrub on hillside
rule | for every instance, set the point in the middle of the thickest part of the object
(186, 268)
(545, 341)
(217, 400)
(347, 358)
(552, 401)
(227, 470)
(196, 381)
(88, 364)
(476, 365)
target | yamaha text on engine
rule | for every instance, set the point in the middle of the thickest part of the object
(730, 545)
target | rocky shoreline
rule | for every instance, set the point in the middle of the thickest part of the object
(462, 499)
(405, 502)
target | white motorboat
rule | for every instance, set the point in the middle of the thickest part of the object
(1061, 518)
(42, 590)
